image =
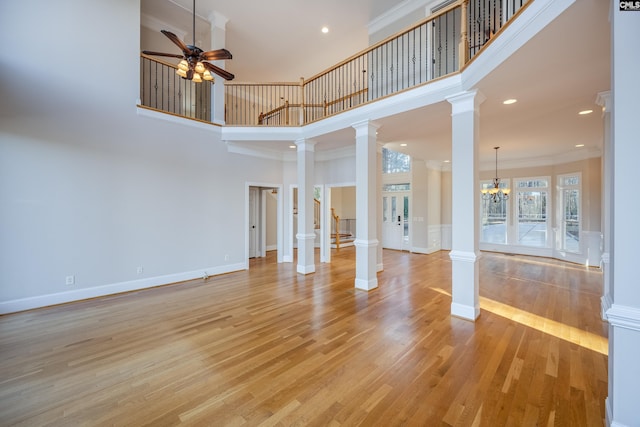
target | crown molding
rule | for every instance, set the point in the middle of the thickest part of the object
(155, 24)
(399, 11)
(530, 162)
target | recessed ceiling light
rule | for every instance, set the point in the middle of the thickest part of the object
(292, 146)
(585, 112)
(509, 101)
(325, 30)
(579, 145)
(403, 145)
(447, 161)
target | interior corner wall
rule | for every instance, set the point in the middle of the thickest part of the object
(91, 190)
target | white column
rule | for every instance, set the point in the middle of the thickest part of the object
(218, 41)
(604, 100)
(624, 314)
(465, 187)
(366, 242)
(306, 234)
(380, 263)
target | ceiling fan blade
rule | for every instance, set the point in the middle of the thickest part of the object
(171, 55)
(217, 54)
(177, 41)
(219, 71)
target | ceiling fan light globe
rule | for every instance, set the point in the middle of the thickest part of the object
(196, 78)
(200, 68)
(207, 76)
(183, 66)
(182, 73)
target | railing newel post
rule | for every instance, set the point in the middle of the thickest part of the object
(302, 119)
(464, 42)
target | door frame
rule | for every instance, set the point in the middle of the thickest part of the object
(404, 245)
(261, 219)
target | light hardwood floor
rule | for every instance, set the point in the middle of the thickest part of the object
(270, 347)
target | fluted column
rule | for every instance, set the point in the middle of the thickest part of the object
(465, 251)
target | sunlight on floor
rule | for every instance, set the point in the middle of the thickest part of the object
(568, 333)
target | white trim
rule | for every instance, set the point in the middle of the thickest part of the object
(301, 236)
(466, 312)
(271, 248)
(464, 256)
(30, 303)
(306, 269)
(155, 24)
(366, 285)
(398, 11)
(366, 243)
(605, 305)
(287, 258)
(517, 249)
(609, 415)
(626, 317)
(146, 112)
(425, 251)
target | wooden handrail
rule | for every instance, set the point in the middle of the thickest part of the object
(388, 39)
(159, 61)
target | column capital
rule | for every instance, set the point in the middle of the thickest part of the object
(365, 125)
(305, 144)
(603, 99)
(217, 19)
(465, 101)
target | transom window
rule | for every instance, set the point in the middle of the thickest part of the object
(395, 162)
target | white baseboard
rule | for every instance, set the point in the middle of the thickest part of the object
(22, 304)
(609, 415)
(465, 311)
(272, 248)
(426, 251)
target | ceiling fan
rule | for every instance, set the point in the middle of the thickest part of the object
(194, 65)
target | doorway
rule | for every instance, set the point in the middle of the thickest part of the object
(263, 221)
(395, 220)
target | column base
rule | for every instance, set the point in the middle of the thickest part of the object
(306, 269)
(366, 285)
(465, 312)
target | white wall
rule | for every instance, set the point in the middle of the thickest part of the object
(90, 188)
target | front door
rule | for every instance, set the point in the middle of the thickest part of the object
(395, 221)
(254, 199)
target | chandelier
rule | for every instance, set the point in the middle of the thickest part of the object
(496, 193)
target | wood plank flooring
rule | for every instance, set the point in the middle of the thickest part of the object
(269, 347)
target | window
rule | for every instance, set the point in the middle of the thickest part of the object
(493, 216)
(396, 187)
(532, 199)
(569, 203)
(395, 162)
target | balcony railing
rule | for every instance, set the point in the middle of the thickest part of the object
(435, 47)
(162, 89)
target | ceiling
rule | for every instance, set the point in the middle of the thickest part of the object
(553, 76)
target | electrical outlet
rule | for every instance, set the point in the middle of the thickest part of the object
(70, 280)
(226, 257)
(140, 270)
